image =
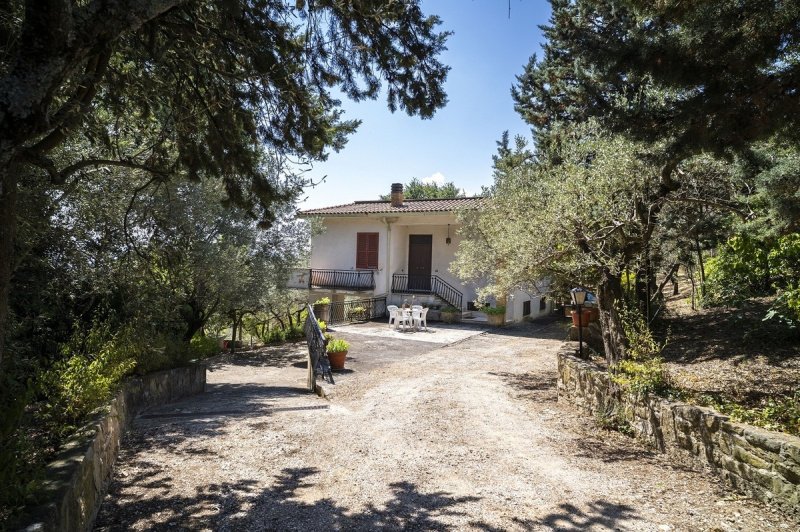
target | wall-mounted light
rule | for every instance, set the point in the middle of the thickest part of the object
(448, 239)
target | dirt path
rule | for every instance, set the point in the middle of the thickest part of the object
(465, 436)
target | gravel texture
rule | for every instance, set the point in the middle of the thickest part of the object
(416, 435)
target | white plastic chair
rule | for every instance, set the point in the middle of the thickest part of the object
(416, 317)
(420, 318)
(404, 317)
(393, 314)
(416, 307)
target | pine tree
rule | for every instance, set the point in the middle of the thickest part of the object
(701, 76)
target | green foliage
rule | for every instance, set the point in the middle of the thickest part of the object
(322, 325)
(637, 66)
(643, 371)
(494, 311)
(609, 417)
(747, 267)
(786, 308)
(21, 460)
(451, 309)
(739, 271)
(204, 346)
(86, 378)
(784, 261)
(417, 189)
(337, 345)
(591, 223)
(775, 412)
(323, 301)
(275, 336)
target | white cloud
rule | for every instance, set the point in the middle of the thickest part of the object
(436, 177)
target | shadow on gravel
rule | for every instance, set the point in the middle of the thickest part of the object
(241, 506)
(206, 415)
(277, 356)
(600, 514)
(541, 387)
(549, 328)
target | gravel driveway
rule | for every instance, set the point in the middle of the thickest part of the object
(419, 435)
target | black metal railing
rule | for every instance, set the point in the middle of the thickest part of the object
(357, 310)
(343, 279)
(426, 284)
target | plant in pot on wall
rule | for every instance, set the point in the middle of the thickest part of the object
(451, 314)
(496, 316)
(337, 352)
(358, 314)
(322, 309)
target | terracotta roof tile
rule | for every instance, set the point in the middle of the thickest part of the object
(385, 207)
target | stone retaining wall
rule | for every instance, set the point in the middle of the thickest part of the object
(78, 478)
(757, 462)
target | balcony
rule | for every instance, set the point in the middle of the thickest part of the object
(333, 279)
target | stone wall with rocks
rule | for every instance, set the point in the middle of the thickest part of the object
(757, 462)
(78, 478)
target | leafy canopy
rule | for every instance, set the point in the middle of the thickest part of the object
(418, 189)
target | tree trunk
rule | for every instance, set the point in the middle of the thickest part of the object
(233, 332)
(609, 297)
(702, 267)
(8, 225)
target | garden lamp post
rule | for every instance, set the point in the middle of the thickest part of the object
(578, 299)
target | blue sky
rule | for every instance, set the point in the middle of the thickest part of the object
(485, 53)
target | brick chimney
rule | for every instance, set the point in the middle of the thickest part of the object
(397, 194)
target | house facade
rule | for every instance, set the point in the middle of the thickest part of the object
(399, 251)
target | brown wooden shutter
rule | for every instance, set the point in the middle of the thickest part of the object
(367, 251)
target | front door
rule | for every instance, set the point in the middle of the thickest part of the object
(420, 251)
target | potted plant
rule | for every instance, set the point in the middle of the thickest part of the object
(451, 314)
(358, 314)
(496, 316)
(337, 352)
(322, 309)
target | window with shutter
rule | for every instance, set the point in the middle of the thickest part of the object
(367, 251)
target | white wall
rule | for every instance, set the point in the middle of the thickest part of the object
(514, 306)
(335, 248)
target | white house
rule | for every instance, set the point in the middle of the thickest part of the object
(396, 251)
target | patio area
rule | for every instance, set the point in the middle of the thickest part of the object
(375, 345)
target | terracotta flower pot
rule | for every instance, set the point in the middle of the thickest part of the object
(337, 359)
(585, 313)
(496, 320)
(322, 311)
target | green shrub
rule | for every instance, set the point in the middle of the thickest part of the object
(741, 270)
(21, 456)
(275, 336)
(494, 311)
(323, 301)
(295, 333)
(784, 261)
(786, 308)
(643, 369)
(85, 380)
(322, 325)
(337, 345)
(608, 417)
(779, 412)
(204, 346)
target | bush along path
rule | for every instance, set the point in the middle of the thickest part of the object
(465, 436)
